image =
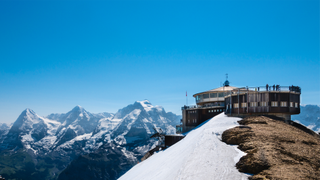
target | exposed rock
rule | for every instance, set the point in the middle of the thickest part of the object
(276, 150)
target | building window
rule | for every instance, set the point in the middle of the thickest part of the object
(253, 104)
(213, 95)
(291, 104)
(221, 94)
(205, 96)
(188, 120)
(236, 105)
(296, 105)
(263, 103)
(274, 103)
(243, 105)
(283, 104)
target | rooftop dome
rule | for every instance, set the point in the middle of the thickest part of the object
(226, 83)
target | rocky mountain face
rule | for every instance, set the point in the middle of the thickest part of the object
(108, 162)
(125, 145)
(54, 141)
(309, 116)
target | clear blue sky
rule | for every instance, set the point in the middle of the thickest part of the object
(104, 55)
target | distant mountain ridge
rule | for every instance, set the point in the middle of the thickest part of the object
(309, 116)
(63, 143)
(62, 137)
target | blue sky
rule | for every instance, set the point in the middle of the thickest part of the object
(104, 55)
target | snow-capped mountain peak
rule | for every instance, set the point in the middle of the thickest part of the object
(146, 105)
(26, 119)
(67, 135)
(28, 112)
(78, 108)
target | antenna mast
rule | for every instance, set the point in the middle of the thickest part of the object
(226, 83)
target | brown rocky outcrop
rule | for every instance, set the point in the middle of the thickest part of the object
(275, 149)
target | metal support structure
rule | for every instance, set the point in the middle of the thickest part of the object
(238, 101)
(230, 102)
(247, 100)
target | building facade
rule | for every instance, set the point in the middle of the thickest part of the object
(274, 100)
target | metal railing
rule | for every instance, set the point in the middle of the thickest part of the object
(203, 106)
(278, 88)
(273, 88)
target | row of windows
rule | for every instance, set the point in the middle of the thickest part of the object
(212, 95)
(191, 112)
(215, 110)
(193, 120)
(273, 104)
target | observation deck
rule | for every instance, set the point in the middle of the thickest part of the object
(281, 101)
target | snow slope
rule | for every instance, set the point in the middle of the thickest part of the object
(200, 155)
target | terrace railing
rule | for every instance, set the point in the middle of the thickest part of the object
(202, 106)
(278, 88)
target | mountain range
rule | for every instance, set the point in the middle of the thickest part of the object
(82, 145)
(309, 116)
(55, 141)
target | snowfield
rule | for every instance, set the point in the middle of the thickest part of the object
(200, 155)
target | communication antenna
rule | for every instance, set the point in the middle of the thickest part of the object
(187, 97)
(226, 83)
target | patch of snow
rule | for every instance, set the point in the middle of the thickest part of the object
(146, 105)
(200, 155)
(68, 144)
(51, 125)
(158, 108)
(46, 142)
(27, 138)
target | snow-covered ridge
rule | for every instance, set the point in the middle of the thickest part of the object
(67, 132)
(200, 155)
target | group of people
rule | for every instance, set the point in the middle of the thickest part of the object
(277, 88)
(295, 88)
(274, 87)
